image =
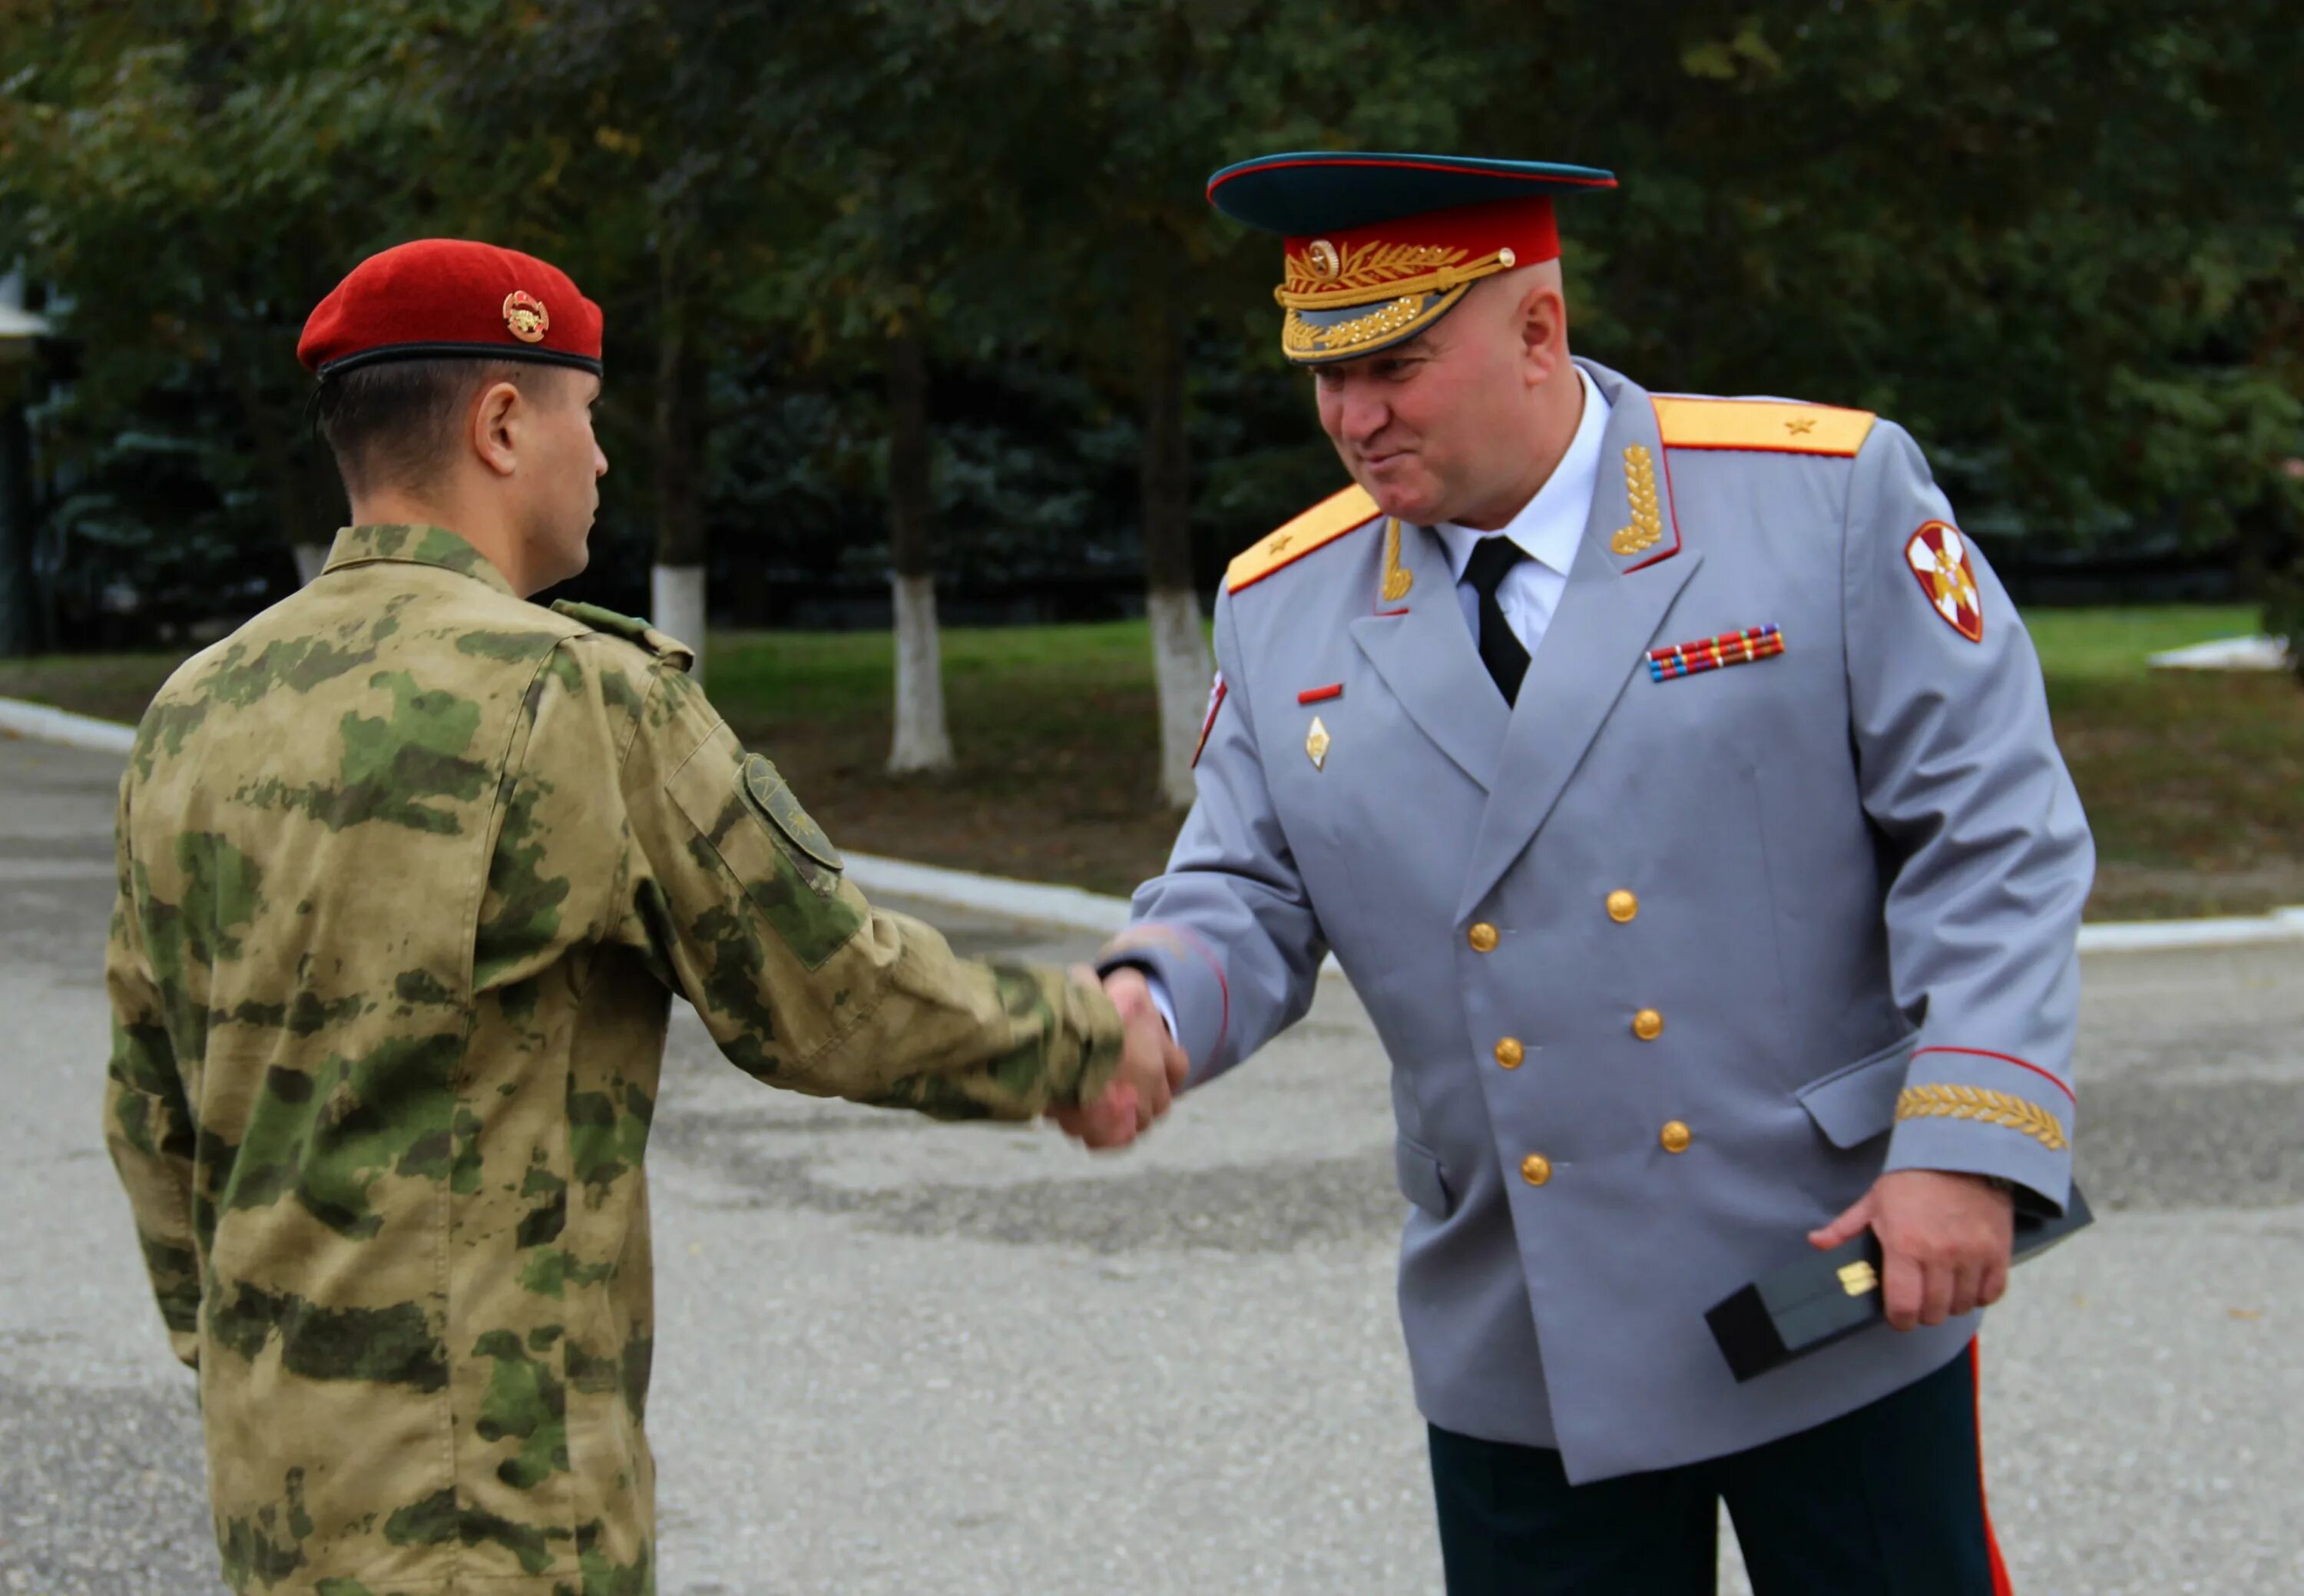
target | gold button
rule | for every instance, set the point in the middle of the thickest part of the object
(1483, 937)
(1509, 1052)
(1676, 1136)
(1622, 906)
(1536, 1169)
(1647, 1024)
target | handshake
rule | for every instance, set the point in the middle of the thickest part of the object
(1152, 1068)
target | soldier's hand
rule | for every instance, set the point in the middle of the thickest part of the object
(1152, 1069)
(1944, 1243)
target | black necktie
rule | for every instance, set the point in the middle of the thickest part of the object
(1499, 650)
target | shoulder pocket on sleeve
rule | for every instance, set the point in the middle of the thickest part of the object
(747, 817)
(772, 798)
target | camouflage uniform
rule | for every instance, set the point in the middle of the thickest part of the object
(408, 871)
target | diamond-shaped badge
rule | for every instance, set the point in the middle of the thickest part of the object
(1316, 744)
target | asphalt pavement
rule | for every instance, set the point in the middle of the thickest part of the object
(898, 1357)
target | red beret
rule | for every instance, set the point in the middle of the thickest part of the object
(451, 297)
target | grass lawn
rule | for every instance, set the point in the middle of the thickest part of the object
(2194, 781)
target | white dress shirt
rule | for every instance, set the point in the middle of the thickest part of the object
(1549, 528)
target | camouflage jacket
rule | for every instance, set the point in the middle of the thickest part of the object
(408, 871)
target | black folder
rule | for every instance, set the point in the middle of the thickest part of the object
(1828, 1296)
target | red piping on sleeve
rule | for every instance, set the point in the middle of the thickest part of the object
(2007, 1059)
(1223, 987)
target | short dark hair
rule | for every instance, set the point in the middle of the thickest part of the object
(394, 423)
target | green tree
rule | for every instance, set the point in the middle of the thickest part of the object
(1138, 268)
(2044, 238)
(650, 148)
(2062, 244)
(192, 178)
(921, 216)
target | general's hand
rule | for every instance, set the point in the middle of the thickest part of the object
(1152, 1069)
(1945, 1242)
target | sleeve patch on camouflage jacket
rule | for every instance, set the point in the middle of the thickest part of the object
(773, 796)
(631, 629)
(795, 892)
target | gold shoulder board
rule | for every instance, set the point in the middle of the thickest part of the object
(1322, 525)
(1775, 425)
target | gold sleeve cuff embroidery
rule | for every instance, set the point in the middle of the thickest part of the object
(1991, 1108)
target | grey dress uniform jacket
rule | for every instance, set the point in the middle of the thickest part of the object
(1669, 967)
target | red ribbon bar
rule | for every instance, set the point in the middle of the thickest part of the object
(1752, 637)
(1713, 653)
(1316, 695)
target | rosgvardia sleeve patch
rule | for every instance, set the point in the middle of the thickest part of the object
(1938, 555)
(747, 821)
(772, 795)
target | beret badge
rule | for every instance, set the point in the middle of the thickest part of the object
(525, 316)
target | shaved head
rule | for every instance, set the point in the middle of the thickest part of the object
(1498, 306)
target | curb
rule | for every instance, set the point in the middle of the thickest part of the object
(2162, 936)
(1070, 908)
(43, 725)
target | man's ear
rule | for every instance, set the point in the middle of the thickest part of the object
(1543, 330)
(495, 422)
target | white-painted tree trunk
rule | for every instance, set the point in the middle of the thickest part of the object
(1181, 666)
(923, 742)
(310, 559)
(676, 607)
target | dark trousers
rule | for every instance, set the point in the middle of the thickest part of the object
(1885, 1501)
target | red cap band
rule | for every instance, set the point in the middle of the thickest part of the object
(1357, 290)
(1431, 252)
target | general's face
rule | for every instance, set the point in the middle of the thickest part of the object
(1430, 428)
(564, 491)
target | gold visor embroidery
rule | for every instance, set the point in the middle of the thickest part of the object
(1304, 341)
